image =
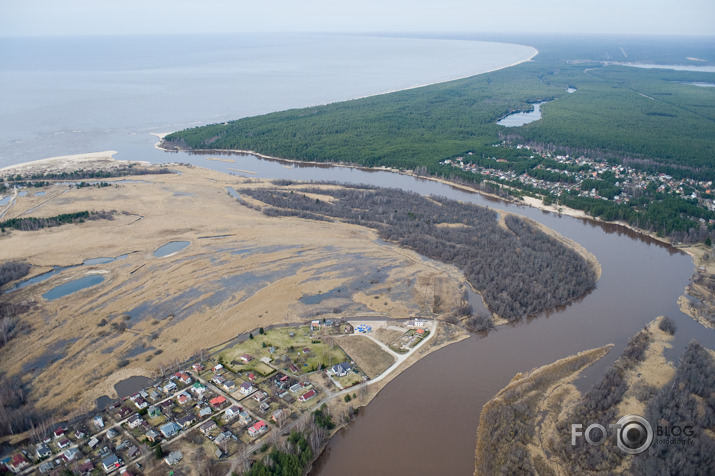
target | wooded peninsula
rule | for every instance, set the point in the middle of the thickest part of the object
(651, 122)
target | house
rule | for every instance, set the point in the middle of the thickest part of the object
(315, 325)
(169, 429)
(217, 401)
(63, 443)
(125, 472)
(293, 369)
(92, 442)
(244, 418)
(86, 467)
(111, 462)
(349, 329)
(152, 435)
(296, 387)
(207, 427)
(264, 407)
(153, 395)
(132, 452)
(218, 380)
(124, 412)
(257, 428)
(279, 415)
(251, 376)
(71, 453)
(43, 451)
(198, 368)
(79, 434)
(259, 396)
(135, 421)
(246, 357)
(419, 322)
(233, 411)
(217, 369)
(186, 378)
(342, 369)
(186, 420)
(307, 396)
(229, 385)
(169, 387)
(153, 411)
(59, 433)
(226, 435)
(173, 458)
(183, 398)
(204, 411)
(198, 389)
(306, 350)
(111, 433)
(46, 467)
(246, 388)
(140, 403)
(17, 463)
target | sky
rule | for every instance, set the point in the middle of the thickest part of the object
(92, 17)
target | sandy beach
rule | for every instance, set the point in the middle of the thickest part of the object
(68, 163)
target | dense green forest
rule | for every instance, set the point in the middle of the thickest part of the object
(648, 119)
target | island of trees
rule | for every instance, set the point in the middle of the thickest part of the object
(518, 269)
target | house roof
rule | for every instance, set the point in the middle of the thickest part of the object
(307, 395)
(111, 460)
(258, 425)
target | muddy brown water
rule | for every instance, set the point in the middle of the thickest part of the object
(424, 422)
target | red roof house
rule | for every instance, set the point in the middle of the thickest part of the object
(307, 396)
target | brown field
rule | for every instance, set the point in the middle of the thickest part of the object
(367, 355)
(151, 311)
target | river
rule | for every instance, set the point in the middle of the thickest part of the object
(424, 422)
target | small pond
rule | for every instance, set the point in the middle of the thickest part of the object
(170, 248)
(231, 191)
(73, 286)
(132, 385)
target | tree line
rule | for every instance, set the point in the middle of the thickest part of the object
(518, 270)
(34, 223)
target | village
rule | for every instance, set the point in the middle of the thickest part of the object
(631, 182)
(238, 401)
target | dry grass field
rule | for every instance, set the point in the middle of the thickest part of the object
(241, 271)
(372, 359)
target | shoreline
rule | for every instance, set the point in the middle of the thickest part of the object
(536, 52)
(103, 160)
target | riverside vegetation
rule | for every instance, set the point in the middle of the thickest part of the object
(518, 269)
(648, 119)
(531, 417)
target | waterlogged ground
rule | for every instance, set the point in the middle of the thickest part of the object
(230, 270)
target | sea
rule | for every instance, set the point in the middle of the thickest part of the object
(71, 95)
